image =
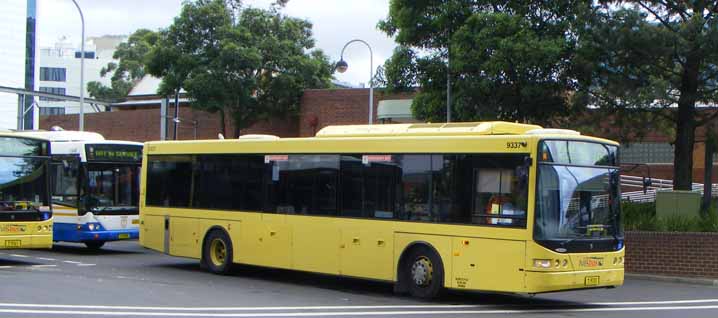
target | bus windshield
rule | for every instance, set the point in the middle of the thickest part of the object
(23, 185)
(577, 198)
(111, 188)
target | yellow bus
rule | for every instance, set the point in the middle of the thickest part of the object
(489, 206)
(25, 212)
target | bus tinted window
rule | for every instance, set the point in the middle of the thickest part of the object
(228, 182)
(416, 179)
(169, 181)
(425, 188)
(304, 184)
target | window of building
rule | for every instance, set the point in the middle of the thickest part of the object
(52, 90)
(88, 55)
(53, 74)
(48, 111)
(647, 152)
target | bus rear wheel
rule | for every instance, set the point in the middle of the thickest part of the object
(424, 273)
(217, 252)
(94, 245)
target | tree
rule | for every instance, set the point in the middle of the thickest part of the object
(509, 60)
(657, 57)
(250, 63)
(130, 68)
(398, 74)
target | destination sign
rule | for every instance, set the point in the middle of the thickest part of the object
(109, 152)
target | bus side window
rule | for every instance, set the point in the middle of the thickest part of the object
(500, 189)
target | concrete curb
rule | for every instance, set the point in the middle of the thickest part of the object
(675, 279)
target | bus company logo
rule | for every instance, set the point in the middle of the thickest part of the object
(13, 228)
(591, 262)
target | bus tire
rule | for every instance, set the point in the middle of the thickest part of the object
(423, 273)
(217, 252)
(94, 245)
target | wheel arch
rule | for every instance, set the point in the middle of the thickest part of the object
(401, 285)
(204, 239)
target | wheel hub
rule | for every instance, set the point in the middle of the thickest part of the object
(422, 271)
(218, 252)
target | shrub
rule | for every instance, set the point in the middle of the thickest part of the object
(642, 217)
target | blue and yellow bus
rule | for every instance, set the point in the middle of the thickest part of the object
(95, 187)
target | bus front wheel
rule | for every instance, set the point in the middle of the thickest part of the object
(94, 245)
(217, 252)
(424, 273)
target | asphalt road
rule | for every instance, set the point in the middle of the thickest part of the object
(126, 280)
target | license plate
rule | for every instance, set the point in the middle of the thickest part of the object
(592, 280)
(13, 243)
(124, 236)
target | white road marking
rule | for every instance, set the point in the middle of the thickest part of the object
(86, 264)
(241, 308)
(286, 308)
(350, 313)
(46, 259)
(72, 262)
(19, 255)
(40, 266)
(5, 266)
(658, 302)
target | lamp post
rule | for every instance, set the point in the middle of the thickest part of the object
(342, 67)
(82, 70)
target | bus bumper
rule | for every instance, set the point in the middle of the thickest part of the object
(116, 235)
(26, 241)
(68, 232)
(540, 282)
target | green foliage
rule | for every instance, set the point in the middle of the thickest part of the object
(251, 63)
(129, 70)
(639, 216)
(642, 217)
(645, 58)
(398, 72)
(508, 59)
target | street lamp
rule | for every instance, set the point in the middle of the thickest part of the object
(82, 70)
(342, 67)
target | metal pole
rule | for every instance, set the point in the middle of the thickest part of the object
(176, 119)
(163, 118)
(448, 87)
(82, 70)
(371, 76)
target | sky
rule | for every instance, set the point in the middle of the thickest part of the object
(335, 23)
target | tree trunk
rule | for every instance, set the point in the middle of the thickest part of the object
(686, 125)
(711, 148)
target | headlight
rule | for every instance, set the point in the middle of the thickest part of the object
(542, 263)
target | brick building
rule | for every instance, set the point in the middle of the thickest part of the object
(138, 119)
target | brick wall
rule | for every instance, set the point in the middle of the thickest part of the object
(324, 107)
(144, 125)
(672, 254)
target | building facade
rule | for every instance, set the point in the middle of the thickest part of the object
(59, 72)
(18, 62)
